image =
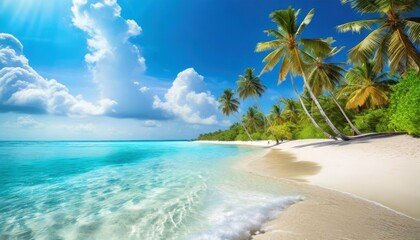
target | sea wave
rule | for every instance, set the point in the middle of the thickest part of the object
(241, 222)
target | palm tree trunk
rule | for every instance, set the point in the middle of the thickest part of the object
(321, 110)
(266, 118)
(307, 112)
(243, 126)
(345, 115)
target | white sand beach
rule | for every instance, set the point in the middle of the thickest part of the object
(367, 188)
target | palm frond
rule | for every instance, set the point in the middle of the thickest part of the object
(284, 70)
(274, 33)
(335, 51)
(381, 54)
(364, 6)
(264, 46)
(405, 5)
(402, 53)
(250, 85)
(272, 59)
(317, 45)
(228, 103)
(357, 26)
(365, 88)
(378, 97)
(286, 20)
(305, 22)
(357, 99)
(363, 51)
(412, 26)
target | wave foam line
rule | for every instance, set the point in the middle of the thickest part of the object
(241, 223)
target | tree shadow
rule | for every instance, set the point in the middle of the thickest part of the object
(365, 138)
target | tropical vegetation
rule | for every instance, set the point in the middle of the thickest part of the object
(378, 92)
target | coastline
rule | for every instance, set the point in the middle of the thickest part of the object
(363, 189)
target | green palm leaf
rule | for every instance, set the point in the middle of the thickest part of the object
(413, 29)
(264, 46)
(363, 51)
(364, 88)
(305, 21)
(357, 26)
(403, 52)
(250, 85)
(364, 6)
(274, 33)
(284, 69)
(317, 45)
(228, 103)
(272, 59)
(394, 39)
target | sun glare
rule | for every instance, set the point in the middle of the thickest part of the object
(30, 13)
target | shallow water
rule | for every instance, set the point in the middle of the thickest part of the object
(131, 190)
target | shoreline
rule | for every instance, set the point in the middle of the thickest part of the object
(348, 187)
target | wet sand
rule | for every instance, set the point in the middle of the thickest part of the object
(325, 213)
(362, 189)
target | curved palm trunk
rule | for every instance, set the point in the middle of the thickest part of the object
(345, 115)
(243, 126)
(321, 110)
(307, 112)
(266, 118)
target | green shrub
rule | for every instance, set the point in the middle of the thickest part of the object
(242, 137)
(308, 131)
(257, 136)
(405, 104)
(373, 121)
(283, 131)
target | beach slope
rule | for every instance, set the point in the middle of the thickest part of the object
(366, 188)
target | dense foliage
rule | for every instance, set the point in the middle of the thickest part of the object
(405, 104)
(337, 101)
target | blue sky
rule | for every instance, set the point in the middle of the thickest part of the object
(149, 69)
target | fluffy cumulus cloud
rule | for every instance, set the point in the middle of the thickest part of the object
(22, 89)
(188, 100)
(117, 67)
(116, 63)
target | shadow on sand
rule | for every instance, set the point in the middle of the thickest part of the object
(364, 138)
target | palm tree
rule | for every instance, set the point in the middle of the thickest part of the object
(290, 110)
(250, 85)
(251, 118)
(302, 103)
(276, 114)
(366, 88)
(324, 75)
(394, 38)
(229, 104)
(290, 48)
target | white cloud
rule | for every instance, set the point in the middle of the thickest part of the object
(144, 89)
(27, 121)
(133, 28)
(23, 89)
(188, 100)
(117, 65)
(118, 69)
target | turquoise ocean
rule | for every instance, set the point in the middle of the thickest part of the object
(132, 190)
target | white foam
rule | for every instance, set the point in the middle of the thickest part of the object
(241, 222)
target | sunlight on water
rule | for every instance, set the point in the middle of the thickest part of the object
(128, 190)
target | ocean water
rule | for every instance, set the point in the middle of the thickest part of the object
(131, 190)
